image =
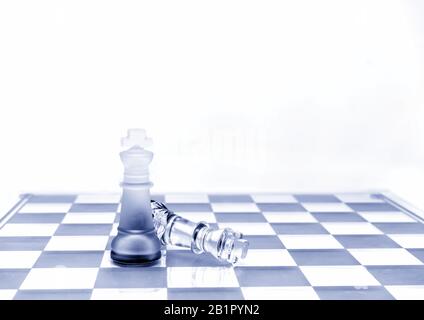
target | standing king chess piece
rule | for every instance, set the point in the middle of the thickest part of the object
(136, 242)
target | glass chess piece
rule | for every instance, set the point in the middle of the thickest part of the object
(225, 244)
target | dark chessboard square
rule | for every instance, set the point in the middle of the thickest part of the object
(89, 229)
(398, 275)
(366, 241)
(190, 207)
(316, 198)
(419, 253)
(285, 207)
(353, 293)
(298, 228)
(52, 199)
(264, 242)
(270, 276)
(205, 294)
(37, 218)
(401, 228)
(23, 243)
(239, 217)
(230, 198)
(383, 206)
(131, 278)
(186, 258)
(94, 207)
(323, 257)
(69, 294)
(70, 259)
(12, 278)
(338, 217)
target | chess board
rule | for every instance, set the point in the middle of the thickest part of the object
(302, 246)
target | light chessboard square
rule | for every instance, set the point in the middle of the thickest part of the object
(409, 241)
(18, 259)
(389, 216)
(350, 228)
(199, 216)
(89, 218)
(339, 276)
(246, 228)
(60, 278)
(307, 241)
(98, 198)
(45, 208)
(235, 207)
(267, 258)
(357, 198)
(289, 217)
(384, 256)
(77, 243)
(406, 292)
(326, 207)
(186, 198)
(28, 229)
(130, 294)
(279, 293)
(195, 277)
(274, 198)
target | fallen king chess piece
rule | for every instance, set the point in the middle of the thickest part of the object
(226, 244)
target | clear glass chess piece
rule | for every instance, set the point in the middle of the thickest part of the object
(226, 244)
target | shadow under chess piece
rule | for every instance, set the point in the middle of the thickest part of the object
(136, 242)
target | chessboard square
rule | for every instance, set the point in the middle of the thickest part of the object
(279, 207)
(246, 228)
(401, 228)
(12, 278)
(418, 253)
(60, 278)
(398, 275)
(390, 216)
(353, 293)
(366, 241)
(37, 218)
(267, 258)
(339, 276)
(323, 257)
(286, 217)
(205, 294)
(114, 229)
(69, 259)
(385, 256)
(336, 228)
(409, 241)
(77, 243)
(358, 198)
(194, 277)
(273, 198)
(18, 259)
(98, 198)
(49, 294)
(23, 243)
(45, 208)
(338, 217)
(270, 276)
(279, 293)
(7, 294)
(235, 207)
(264, 242)
(189, 207)
(52, 198)
(129, 294)
(186, 258)
(230, 198)
(298, 228)
(326, 207)
(384, 206)
(199, 216)
(28, 229)
(83, 229)
(107, 261)
(240, 217)
(89, 217)
(320, 241)
(407, 292)
(94, 207)
(186, 198)
(311, 198)
(131, 278)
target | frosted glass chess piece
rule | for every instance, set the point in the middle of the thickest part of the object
(136, 242)
(226, 244)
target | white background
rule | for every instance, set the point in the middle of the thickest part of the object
(237, 95)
